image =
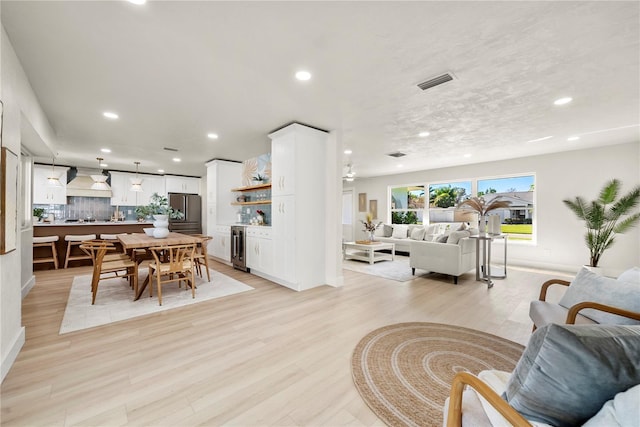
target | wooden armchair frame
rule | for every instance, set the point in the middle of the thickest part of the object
(574, 310)
(462, 379)
(176, 264)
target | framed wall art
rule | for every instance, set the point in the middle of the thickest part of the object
(373, 208)
(8, 201)
(362, 202)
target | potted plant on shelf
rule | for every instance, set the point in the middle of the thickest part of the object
(37, 214)
(161, 211)
(259, 179)
(605, 217)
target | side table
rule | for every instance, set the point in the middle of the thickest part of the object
(483, 266)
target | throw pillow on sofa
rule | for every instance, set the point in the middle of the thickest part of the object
(442, 238)
(631, 275)
(568, 372)
(417, 233)
(455, 236)
(400, 231)
(388, 230)
(379, 232)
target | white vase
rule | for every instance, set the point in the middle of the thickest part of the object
(161, 226)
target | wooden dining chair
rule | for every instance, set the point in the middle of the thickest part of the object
(172, 264)
(109, 266)
(200, 257)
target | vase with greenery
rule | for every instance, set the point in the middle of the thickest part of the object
(370, 226)
(605, 217)
(159, 206)
(38, 213)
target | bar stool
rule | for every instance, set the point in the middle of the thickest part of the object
(76, 240)
(46, 241)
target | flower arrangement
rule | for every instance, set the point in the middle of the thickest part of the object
(259, 212)
(369, 225)
(479, 205)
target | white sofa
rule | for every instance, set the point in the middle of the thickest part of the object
(437, 248)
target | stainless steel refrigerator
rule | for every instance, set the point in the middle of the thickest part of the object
(191, 206)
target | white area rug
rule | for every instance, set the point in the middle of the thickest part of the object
(114, 301)
(398, 269)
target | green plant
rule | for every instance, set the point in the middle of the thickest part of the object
(159, 206)
(258, 177)
(142, 211)
(39, 212)
(605, 217)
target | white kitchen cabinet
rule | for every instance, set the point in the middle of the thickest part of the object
(259, 249)
(222, 176)
(150, 184)
(219, 246)
(299, 163)
(121, 194)
(43, 194)
(182, 184)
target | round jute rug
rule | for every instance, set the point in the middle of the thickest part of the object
(404, 371)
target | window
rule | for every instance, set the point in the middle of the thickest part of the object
(407, 204)
(444, 200)
(517, 220)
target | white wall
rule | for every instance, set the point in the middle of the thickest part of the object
(20, 103)
(560, 242)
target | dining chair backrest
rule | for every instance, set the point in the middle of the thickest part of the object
(173, 258)
(97, 249)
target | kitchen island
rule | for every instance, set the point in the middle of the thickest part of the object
(61, 229)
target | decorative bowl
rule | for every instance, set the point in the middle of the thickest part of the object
(148, 231)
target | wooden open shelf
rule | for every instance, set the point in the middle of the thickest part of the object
(252, 187)
(256, 202)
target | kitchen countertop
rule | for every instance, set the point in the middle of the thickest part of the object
(72, 224)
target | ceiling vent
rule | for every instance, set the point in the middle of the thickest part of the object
(170, 149)
(396, 154)
(435, 81)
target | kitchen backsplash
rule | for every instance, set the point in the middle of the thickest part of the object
(98, 208)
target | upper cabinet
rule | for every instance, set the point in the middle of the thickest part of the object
(43, 194)
(150, 184)
(283, 155)
(182, 184)
(222, 176)
(121, 189)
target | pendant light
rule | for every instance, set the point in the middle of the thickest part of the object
(53, 180)
(99, 181)
(136, 183)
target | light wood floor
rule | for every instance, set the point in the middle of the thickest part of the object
(266, 357)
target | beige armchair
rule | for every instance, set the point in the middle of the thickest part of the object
(445, 258)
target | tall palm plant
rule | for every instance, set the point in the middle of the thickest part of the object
(606, 217)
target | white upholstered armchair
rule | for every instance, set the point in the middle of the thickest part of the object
(445, 258)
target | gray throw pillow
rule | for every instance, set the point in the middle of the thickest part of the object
(417, 233)
(568, 372)
(588, 286)
(388, 230)
(442, 238)
(455, 236)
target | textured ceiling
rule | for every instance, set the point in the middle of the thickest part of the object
(176, 70)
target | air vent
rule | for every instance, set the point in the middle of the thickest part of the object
(396, 154)
(447, 77)
(170, 149)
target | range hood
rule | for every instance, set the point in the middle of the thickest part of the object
(80, 185)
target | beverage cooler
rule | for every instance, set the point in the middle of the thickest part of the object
(238, 248)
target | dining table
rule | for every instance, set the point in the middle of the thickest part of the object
(131, 242)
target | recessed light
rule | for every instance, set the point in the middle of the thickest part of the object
(105, 150)
(161, 170)
(110, 115)
(563, 101)
(573, 138)
(423, 134)
(541, 139)
(303, 75)
(138, 2)
(347, 151)
(212, 135)
(467, 155)
(176, 159)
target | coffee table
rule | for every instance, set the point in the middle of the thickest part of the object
(368, 251)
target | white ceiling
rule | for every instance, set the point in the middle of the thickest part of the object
(176, 70)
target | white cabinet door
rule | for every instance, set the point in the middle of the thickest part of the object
(150, 184)
(284, 239)
(43, 194)
(121, 194)
(259, 249)
(219, 245)
(283, 157)
(181, 184)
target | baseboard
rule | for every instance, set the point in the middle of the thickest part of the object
(565, 268)
(26, 288)
(11, 356)
(335, 281)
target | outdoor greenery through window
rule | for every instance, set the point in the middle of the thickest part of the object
(408, 203)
